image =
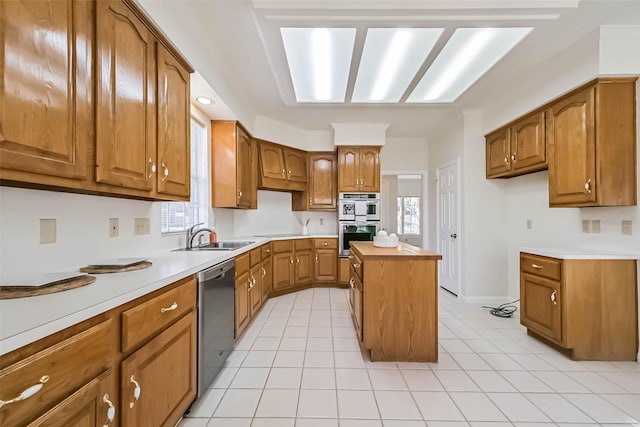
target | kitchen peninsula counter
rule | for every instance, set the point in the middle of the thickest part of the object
(396, 315)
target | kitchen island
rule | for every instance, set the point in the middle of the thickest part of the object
(393, 298)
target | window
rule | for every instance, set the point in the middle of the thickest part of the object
(179, 216)
(408, 215)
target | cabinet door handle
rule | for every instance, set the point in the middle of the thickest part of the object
(506, 160)
(27, 392)
(316, 259)
(264, 272)
(111, 412)
(553, 297)
(250, 283)
(165, 172)
(283, 172)
(291, 260)
(152, 168)
(289, 172)
(137, 391)
(268, 251)
(170, 308)
(352, 283)
(253, 280)
(513, 157)
(239, 194)
(297, 260)
(356, 265)
(539, 267)
(587, 186)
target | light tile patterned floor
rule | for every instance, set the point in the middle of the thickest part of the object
(299, 365)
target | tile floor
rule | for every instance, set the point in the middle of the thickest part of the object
(299, 364)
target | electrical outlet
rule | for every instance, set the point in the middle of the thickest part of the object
(586, 226)
(595, 226)
(626, 226)
(47, 231)
(321, 221)
(114, 227)
(529, 224)
(141, 226)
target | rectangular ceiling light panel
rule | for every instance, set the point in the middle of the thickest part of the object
(390, 59)
(469, 53)
(319, 61)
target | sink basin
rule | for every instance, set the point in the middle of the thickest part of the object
(218, 246)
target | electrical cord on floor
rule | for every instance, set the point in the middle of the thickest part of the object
(503, 310)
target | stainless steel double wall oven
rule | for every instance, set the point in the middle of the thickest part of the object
(359, 218)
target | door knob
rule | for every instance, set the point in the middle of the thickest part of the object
(454, 235)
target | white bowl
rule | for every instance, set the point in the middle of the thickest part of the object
(385, 242)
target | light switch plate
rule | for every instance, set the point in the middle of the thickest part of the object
(114, 227)
(141, 226)
(595, 226)
(529, 224)
(627, 227)
(47, 230)
(586, 226)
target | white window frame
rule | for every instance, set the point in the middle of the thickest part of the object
(400, 203)
(200, 183)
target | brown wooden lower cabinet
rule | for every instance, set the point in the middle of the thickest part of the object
(158, 381)
(78, 368)
(585, 307)
(343, 271)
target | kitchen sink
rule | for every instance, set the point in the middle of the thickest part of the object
(218, 246)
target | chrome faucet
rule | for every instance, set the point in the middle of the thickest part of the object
(193, 232)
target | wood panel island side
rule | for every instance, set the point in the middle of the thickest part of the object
(393, 297)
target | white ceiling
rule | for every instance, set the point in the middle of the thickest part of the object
(237, 48)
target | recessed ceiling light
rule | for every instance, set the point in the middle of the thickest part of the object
(390, 59)
(319, 61)
(204, 100)
(469, 54)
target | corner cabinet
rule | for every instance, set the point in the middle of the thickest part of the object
(517, 149)
(585, 307)
(322, 187)
(233, 166)
(137, 145)
(359, 169)
(592, 145)
(281, 167)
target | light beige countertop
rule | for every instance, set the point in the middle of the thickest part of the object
(25, 320)
(366, 249)
(580, 253)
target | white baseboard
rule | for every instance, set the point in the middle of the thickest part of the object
(493, 301)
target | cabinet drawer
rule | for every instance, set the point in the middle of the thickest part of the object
(242, 264)
(141, 322)
(282, 246)
(266, 251)
(541, 266)
(255, 256)
(302, 244)
(356, 264)
(325, 243)
(61, 369)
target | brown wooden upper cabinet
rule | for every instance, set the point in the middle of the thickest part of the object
(46, 122)
(322, 187)
(140, 145)
(518, 148)
(282, 168)
(358, 169)
(592, 145)
(233, 166)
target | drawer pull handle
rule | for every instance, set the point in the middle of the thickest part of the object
(539, 267)
(111, 412)
(137, 391)
(356, 265)
(28, 392)
(268, 251)
(171, 308)
(553, 297)
(325, 244)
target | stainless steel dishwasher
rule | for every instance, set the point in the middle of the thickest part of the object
(216, 288)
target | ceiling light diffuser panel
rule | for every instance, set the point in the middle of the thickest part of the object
(319, 61)
(390, 59)
(469, 53)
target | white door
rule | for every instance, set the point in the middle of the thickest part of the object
(448, 225)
